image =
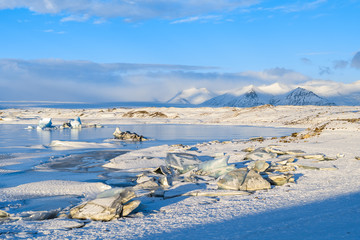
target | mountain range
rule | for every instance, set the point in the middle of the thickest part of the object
(252, 96)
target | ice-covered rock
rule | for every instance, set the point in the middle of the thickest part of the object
(279, 179)
(4, 214)
(128, 136)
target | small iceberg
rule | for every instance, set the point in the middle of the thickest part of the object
(73, 123)
(45, 123)
(76, 123)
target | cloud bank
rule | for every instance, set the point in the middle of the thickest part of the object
(60, 80)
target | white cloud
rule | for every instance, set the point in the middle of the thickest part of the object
(297, 7)
(76, 18)
(280, 75)
(130, 10)
(196, 18)
(331, 88)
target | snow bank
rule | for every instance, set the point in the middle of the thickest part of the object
(51, 188)
(63, 145)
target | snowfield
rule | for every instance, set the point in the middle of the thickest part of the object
(322, 203)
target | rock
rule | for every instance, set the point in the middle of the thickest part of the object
(45, 123)
(126, 195)
(295, 152)
(4, 214)
(285, 161)
(279, 179)
(128, 208)
(165, 181)
(183, 162)
(128, 136)
(259, 139)
(319, 156)
(282, 168)
(274, 150)
(248, 149)
(162, 170)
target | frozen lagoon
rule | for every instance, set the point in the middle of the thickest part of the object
(26, 155)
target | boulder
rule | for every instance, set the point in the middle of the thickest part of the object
(280, 179)
(128, 136)
(4, 214)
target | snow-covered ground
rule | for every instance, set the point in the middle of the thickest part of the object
(323, 203)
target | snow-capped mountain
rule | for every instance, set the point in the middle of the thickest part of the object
(300, 97)
(192, 96)
(251, 98)
(255, 97)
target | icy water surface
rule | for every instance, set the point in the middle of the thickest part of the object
(26, 155)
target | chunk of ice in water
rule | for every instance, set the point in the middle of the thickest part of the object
(45, 123)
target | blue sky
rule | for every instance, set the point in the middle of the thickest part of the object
(119, 50)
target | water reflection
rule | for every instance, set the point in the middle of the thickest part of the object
(74, 133)
(44, 136)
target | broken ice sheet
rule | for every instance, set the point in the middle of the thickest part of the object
(183, 162)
